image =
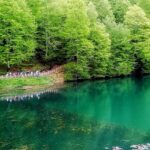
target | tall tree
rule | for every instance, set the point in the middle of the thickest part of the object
(101, 54)
(122, 55)
(139, 26)
(76, 23)
(78, 68)
(75, 31)
(17, 28)
(101, 42)
(50, 15)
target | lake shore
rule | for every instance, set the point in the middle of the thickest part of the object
(32, 83)
(55, 78)
(25, 83)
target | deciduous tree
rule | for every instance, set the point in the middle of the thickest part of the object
(17, 29)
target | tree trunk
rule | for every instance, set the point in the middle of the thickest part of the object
(8, 66)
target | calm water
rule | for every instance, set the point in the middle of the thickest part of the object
(94, 115)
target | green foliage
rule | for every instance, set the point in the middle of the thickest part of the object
(139, 25)
(93, 38)
(145, 5)
(101, 53)
(17, 30)
(90, 55)
(80, 53)
(119, 8)
(122, 59)
(76, 21)
(35, 7)
(92, 12)
(104, 9)
(76, 71)
(22, 82)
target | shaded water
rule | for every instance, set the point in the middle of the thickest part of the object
(94, 115)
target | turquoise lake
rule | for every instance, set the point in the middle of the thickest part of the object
(91, 115)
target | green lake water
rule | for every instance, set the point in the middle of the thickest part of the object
(92, 115)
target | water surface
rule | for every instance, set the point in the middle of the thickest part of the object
(92, 115)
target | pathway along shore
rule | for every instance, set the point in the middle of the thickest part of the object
(32, 80)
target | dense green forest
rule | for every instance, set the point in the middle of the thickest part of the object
(91, 38)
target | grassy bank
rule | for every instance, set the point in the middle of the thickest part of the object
(23, 83)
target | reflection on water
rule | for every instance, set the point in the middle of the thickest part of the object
(94, 115)
(28, 96)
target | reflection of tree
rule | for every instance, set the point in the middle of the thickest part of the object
(34, 125)
(78, 117)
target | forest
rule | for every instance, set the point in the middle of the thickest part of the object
(90, 38)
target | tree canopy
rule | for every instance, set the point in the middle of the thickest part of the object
(17, 29)
(90, 38)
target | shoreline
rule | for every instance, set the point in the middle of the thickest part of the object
(33, 83)
(109, 78)
(12, 86)
(21, 94)
(53, 81)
